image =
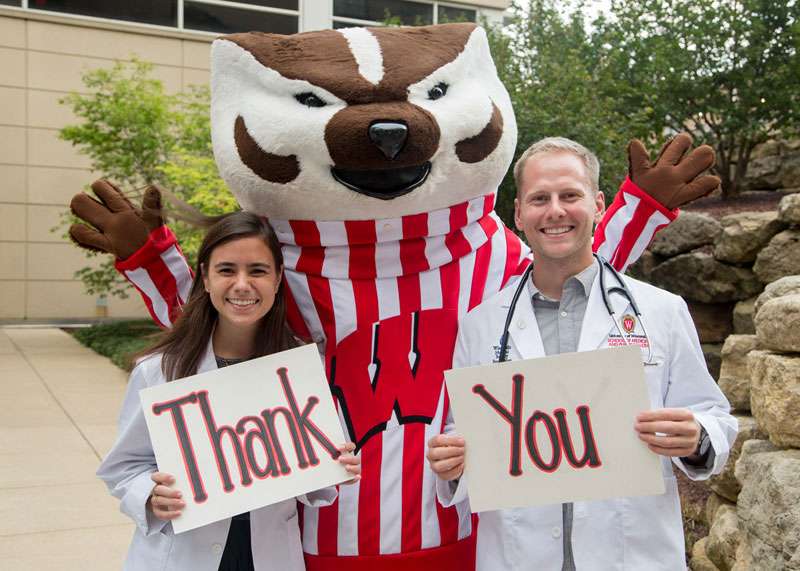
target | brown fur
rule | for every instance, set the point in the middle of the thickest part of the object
(347, 136)
(272, 168)
(477, 148)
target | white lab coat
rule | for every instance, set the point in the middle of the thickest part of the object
(635, 533)
(126, 470)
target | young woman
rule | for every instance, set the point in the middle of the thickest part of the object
(235, 312)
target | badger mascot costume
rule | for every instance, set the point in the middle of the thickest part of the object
(376, 155)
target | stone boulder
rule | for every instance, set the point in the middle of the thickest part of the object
(743, 313)
(785, 286)
(779, 169)
(778, 324)
(734, 377)
(725, 483)
(714, 321)
(642, 267)
(769, 504)
(789, 209)
(723, 538)
(689, 231)
(744, 235)
(775, 396)
(781, 257)
(700, 560)
(700, 277)
(713, 503)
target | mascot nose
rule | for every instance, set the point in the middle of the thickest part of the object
(389, 137)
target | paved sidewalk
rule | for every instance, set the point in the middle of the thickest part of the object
(58, 408)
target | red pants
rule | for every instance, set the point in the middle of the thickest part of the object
(458, 556)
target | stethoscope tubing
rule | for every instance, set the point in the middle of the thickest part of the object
(620, 289)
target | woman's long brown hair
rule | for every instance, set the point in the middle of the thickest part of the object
(184, 345)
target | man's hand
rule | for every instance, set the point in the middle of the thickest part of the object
(674, 179)
(117, 226)
(669, 431)
(446, 456)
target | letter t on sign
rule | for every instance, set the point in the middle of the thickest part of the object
(513, 417)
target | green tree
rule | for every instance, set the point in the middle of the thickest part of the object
(553, 72)
(727, 71)
(135, 134)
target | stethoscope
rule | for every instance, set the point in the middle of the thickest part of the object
(620, 289)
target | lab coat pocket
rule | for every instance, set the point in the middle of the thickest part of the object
(655, 378)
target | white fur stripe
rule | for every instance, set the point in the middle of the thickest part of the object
(344, 308)
(430, 289)
(298, 283)
(656, 219)
(431, 535)
(141, 279)
(347, 532)
(367, 52)
(388, 298)
(616, 226)
(179, 269)
(392, 487)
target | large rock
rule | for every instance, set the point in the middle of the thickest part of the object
(689, 231)
(769, 504)
(744, 555)
(775, 395)
(734, 377)
(642, 267)
(784, 286)
(779, 170)
(723, 538)
(699, 277)
(714, 321)
(725, 483)
(744, 235)
(743, 313)
(781, 257)
(778, 324)
(789, 209)
(700, 560)
(713, 356)
(713, 503)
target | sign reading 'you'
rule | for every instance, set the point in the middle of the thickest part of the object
(246, 436)
(554, 429)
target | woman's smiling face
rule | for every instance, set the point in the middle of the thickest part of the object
(242, 280)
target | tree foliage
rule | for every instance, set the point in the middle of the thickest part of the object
(727, 71)
(136, 134)
(546, 58)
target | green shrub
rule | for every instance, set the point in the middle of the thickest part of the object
(118, 341)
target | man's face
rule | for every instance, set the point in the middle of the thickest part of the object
(556, 207)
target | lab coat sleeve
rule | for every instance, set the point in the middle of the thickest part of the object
(454, 492)
(319, 498)
(691, 386)
(127, 468)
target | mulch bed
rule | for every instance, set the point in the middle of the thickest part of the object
(751, 201)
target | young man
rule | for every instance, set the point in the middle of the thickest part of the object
(558, 203)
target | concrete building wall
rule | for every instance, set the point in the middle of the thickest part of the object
(42, 58)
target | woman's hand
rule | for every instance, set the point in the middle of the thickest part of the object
(446, 454)
(351, 462)
(165, 503)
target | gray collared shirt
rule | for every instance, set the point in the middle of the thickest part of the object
(560, 321)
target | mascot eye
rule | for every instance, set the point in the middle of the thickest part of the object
(437, 91)
(310, 100)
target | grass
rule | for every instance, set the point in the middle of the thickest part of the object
(119, 340)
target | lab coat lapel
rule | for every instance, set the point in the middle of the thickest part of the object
(597, 323)
(524, 329)
(208, 362)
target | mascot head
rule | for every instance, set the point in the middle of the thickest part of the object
(359, 123)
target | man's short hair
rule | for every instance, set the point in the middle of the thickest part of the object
(555, 145)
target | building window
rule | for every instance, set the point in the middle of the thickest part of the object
(159, 12)
(283, 4)
(226, 19)
(10, 2)
(378, 11)
(455, 14)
